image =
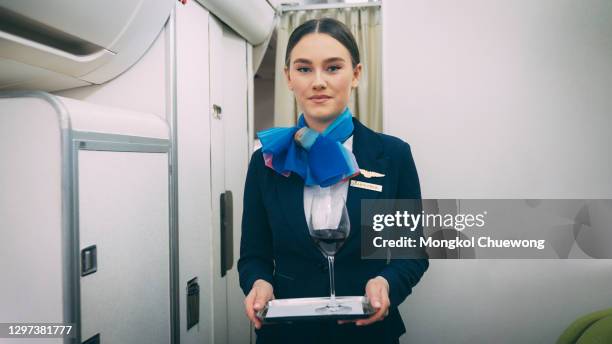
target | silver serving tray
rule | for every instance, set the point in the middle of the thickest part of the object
(302, 309)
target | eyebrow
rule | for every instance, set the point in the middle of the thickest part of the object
(331, 59)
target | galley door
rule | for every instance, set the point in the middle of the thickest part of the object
(229, 161)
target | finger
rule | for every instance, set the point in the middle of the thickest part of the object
(251, 314)
(260, 302)
(255, 320)
(381, 309)
(386, 303)
(373, 292)
(375, 302)
(262, 298)
(373, 318)
(380, 298)
(250, 310)
(248, 303)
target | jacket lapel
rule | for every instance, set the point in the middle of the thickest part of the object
(291, 196)
(369, 153)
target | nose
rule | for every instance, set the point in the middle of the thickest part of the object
(318, 82)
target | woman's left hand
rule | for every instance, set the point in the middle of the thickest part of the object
(377, 291)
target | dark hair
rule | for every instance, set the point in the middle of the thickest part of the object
(330, 26)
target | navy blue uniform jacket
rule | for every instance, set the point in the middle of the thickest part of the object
(276, 245)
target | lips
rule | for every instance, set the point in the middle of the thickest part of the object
(319, 99)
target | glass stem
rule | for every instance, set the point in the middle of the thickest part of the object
(332, 286)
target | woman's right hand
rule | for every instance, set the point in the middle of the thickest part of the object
(261, 292)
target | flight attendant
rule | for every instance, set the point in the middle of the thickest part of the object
(308, 168)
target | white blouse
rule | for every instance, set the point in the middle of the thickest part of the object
(327, 202)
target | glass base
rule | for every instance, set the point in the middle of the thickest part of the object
(332, 308)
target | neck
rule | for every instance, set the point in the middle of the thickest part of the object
(317, 124)
(320, 124)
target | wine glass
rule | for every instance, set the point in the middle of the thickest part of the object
(329, 228)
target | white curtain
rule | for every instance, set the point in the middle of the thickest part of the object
(366, 99)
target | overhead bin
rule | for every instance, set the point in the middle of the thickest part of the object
(54, 45)
(253, 20)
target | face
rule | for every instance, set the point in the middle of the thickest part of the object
(321, 76)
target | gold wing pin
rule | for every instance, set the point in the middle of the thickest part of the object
(371, 174)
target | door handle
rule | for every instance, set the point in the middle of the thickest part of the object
(227, 232)
(89, 260)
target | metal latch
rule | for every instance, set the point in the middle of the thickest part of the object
(217, 111)
(89, 260)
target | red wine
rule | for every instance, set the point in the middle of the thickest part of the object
(328, 240)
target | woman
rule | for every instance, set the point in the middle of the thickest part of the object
(310, 167)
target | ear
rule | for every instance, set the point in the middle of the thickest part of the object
(356, 75)
(287, 77)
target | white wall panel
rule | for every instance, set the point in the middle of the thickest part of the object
(30, 214)
(194, 187)
(218, 174)
(236, 164)
(230, 154)
(502, 100)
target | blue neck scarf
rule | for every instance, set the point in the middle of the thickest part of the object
(319, 158)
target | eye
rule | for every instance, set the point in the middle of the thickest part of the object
(334, 68)
(303, 69)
